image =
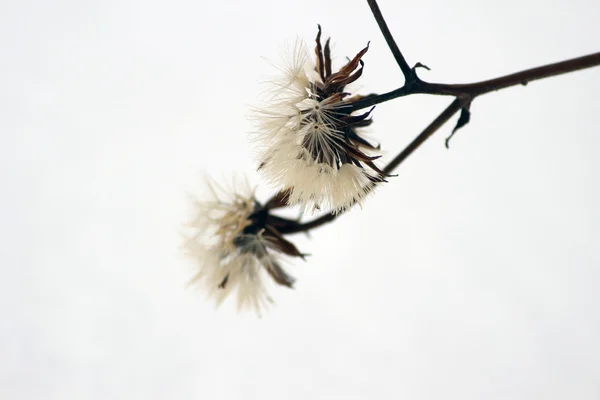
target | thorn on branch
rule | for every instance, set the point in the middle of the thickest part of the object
(465, 116)
(419, 65)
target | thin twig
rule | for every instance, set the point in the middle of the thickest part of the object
(436, 124)
(406, 70)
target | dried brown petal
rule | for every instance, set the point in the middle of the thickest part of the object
(278, 274)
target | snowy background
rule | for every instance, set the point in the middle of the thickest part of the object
(472, 275)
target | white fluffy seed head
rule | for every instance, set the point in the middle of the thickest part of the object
(299, 141)
(228, 261)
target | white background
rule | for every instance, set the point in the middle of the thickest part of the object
(472, 275)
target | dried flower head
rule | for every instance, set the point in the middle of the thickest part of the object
(235, 239)
(308, 135)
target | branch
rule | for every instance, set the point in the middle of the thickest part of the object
(463, 93)
(472, 90)
(409, 74)
(413, 84)
(426, 134)
(520, 78)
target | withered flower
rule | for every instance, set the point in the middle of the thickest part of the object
(235, 240)
(308, 135)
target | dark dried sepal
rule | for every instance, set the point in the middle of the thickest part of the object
(345, 75)
(379, 171)
(358, 155)
(327, 57)
(224, 282)
(278, 201)
(354, 137)
(279, 243)
(353, 120)
(278, 274)
(335, 82)
(320, 67)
